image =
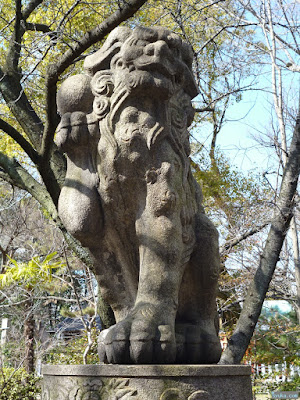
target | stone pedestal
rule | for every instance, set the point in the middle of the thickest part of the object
(146, 382)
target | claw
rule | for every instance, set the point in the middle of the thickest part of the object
(164, 352)
(121, 351)
(141, 352)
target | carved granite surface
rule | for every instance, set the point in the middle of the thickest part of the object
(146, 382)
(112, 389)
(130, 197)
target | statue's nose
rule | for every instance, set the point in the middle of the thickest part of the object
(156, 49)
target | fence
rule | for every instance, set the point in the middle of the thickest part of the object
(277, 372)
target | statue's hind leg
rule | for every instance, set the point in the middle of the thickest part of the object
(197, 338)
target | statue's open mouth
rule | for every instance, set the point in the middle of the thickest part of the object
(154, 75)
(157, 67)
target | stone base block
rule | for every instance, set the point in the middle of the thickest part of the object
(146, 382)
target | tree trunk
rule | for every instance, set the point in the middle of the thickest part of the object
(243, 332)
(29, 325)
(295, 242)
(105, 312)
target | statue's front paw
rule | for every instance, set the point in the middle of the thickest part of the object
(197, 343)
(139, 339)
(152, 343)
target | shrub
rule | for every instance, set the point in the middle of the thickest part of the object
(292, 385)
(18, 384)
(71, 351)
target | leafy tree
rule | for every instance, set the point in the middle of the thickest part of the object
(276, 339)
(35, 273)
(26, 232)
(239, 206)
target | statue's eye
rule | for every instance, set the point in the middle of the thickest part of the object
(142, 43)
(119, 63)
(133, 117)
(130, 115)
(149, 49)
(174, 43)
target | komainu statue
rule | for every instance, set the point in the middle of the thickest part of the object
(129, 196)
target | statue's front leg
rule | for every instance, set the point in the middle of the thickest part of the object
(79, 203)
(147, 334)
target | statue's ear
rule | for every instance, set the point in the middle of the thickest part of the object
(101, 59)
(102, 87)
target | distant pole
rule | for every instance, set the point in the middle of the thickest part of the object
(4, 327)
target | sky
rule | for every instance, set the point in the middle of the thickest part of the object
(283, 305)
(237, 136)
(236, 139)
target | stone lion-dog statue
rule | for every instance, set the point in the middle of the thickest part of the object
(130, 197)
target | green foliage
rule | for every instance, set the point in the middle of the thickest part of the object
(71, 352)
(35, 272)
(66, 312)
(17, 384)
(13, 351)
(269, 384)
(228, 192)
(221, 179)
(65, 24)
(292, 385)
(276, 339)
(88, 311)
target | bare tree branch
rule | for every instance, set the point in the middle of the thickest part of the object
(20, 107)
(14, 134)
(204, 109)
(17, 175)
(231, 243)
(278, 38)
(31, 6)
(211, 106)
(39, 28)
(53, 298)
(17, 101)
